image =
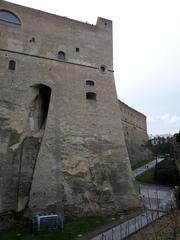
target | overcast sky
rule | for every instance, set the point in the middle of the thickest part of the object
(146, 52)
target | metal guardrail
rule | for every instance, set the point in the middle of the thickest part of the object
(158, 200)
(130, 226)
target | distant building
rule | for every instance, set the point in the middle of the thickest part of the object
(158, 139)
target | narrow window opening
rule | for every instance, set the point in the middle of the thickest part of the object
(89, 82)
(12, 65)
(77, 49)
(91, 95)
(103, 68)
(61, 55)
(44, 94)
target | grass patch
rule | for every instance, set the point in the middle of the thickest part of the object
(71, 230)
(147, 177)
(139, 164)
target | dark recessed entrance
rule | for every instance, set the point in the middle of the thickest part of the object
(40, 106)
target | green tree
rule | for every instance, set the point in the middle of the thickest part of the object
(166, 173)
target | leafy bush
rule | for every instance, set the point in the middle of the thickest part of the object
(166, 173)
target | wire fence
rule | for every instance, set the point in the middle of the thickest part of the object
(130, 226)
(159, 202)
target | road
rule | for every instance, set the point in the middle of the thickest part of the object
(158, 201)
(156, 197)
(146, 167)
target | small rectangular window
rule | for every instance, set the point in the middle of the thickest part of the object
(61, 55)
(12, 65)
(89, 82)
(91, 95)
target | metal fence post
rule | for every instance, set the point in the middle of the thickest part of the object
(139, 225)
(121, 230)
(125, 230)
(147, 217)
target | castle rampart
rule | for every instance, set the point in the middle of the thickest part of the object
(62, 143)
(135, 133)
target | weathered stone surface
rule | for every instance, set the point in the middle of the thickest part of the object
(135, 133)
(60, 150)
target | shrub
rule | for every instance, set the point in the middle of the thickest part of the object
(166, 173)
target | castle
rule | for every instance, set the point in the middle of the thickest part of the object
(62, 146)
(135, 133)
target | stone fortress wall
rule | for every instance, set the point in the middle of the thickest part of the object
(135, 133)
(62, 144)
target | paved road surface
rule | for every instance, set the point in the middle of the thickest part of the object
(146, 167)
(157, 197)
(158, 201)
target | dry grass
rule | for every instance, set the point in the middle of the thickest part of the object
(165, 228)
